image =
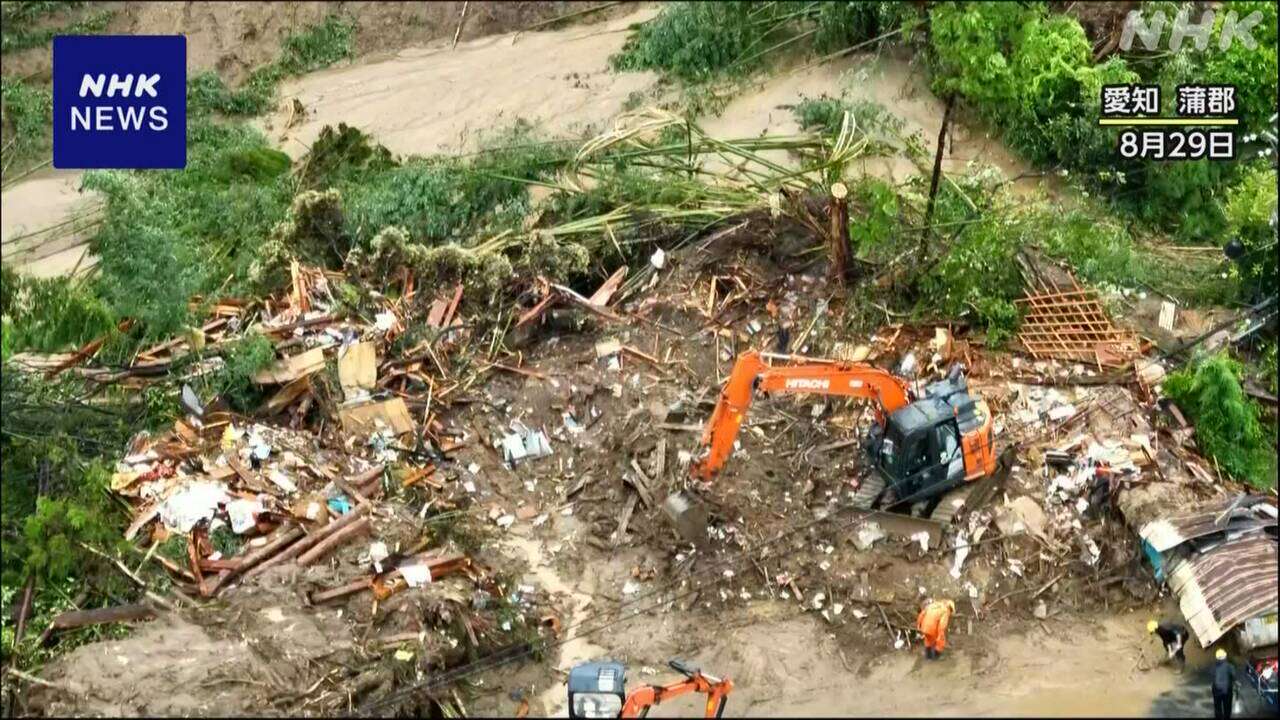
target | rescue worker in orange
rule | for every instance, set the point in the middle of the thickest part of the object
(932, 623)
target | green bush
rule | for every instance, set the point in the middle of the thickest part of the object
(700, 41)
(845, 24)
(1251, 70)
(27, 112)
(167, 236)
(49, 314)
(1227, 424)
(696, 41)
(1251, 213)
(241, 361)
(55, 491)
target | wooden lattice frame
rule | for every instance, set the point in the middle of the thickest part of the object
(1071, 324)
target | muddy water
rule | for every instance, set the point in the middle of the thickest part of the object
(436, 99)
(889, 79)
(576, 600)
(787, 664)
(46, 198)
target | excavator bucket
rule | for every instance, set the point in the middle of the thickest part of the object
(688, 516)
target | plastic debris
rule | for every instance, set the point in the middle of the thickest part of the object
(244, 514)
(192, 503)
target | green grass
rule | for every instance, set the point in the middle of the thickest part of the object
(19, 33)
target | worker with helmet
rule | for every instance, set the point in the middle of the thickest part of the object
(932, 623)
(1224, 685)
(1174, 637)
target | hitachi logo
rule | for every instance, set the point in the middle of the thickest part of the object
(93, 84)
(808, 384)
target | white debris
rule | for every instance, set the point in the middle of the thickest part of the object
(867, 535)
(505, 521)
(859, 614)
(630, 587)
(377, 553)
(1062, 412)
(416, 575)
(658, 259)
(244, 514)
(962, 552)
(384, 321)
(524, 443)
(190, 504)
(922, 538)
(282, 481)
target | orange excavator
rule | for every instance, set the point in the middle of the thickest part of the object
(598, 690)
(920, 447)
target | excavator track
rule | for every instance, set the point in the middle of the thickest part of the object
(869, 491)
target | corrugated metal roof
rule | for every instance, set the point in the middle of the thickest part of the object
(1251, 512)
(1226, 585)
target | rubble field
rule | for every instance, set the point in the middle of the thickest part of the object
(394, 512)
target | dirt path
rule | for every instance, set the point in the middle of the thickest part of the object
(436, 99)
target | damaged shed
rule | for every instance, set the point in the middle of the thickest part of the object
(1221, 562)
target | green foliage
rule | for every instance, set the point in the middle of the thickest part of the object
(826, 114)
(845, 24)
(20, 34)
(26, 112)
(701, 41)
(49, 314)
(312, 49)
(342, 156)
(54, 489)
(1226, 420)
(1251, 213)
(439, 199)
(167, 236)
(696, 41)
(206, 92)
(1251, 71)
(317, 47)
(1031, 73)
(241, 361)
(879, 217)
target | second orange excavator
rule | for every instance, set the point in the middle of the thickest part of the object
(920, 447)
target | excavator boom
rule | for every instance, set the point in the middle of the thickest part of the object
(822, 377)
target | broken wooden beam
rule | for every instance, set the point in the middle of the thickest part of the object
(333, 541)
(312, 539)
(72, 619)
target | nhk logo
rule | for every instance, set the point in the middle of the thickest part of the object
(120, 101)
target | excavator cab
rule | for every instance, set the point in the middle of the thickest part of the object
(933, 444)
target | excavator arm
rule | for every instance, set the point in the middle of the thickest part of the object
(717, 691)
(821, 377)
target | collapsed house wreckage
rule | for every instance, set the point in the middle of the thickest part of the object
(378, 487)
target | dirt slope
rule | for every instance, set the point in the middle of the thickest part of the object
(235, 37)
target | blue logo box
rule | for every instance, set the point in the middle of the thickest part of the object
(119, 101)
